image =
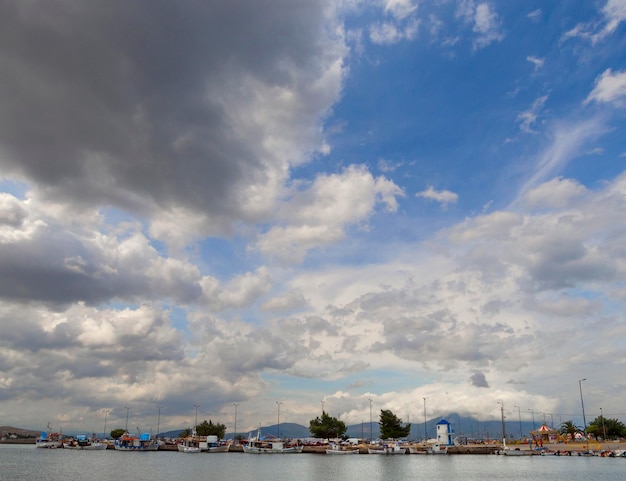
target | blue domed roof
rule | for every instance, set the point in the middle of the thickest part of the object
(443, 421)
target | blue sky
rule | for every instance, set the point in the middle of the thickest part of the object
(318, 200)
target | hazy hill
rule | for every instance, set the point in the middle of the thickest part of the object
(5, 430)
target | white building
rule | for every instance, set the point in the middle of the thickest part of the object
(444, 433)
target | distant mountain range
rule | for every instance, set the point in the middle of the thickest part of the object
(461, 426)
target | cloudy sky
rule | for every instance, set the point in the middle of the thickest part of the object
(363, 203)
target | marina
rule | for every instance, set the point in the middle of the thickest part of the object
(24, 463)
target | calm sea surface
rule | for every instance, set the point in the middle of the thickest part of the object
(27, 463)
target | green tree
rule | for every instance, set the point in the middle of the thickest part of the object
(391, 426)
(612, 427)
(327, 427)
(568, 427)
(116, 433)
(185, 433)
(209, 429)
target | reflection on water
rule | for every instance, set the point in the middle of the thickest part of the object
(26, 463)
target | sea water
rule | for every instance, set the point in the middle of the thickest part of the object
(27, 463)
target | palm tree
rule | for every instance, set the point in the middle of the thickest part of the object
(568, 427)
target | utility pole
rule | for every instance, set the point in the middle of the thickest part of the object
(501, 403)
(519, 413)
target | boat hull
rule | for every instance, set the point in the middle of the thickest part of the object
(269, 450)
(342, 451)
(387, 451)
(87, 447)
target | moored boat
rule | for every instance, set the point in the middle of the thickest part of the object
(83, 442)
(390, 448)
(258, 445)
(144, 442)
(337, 449)
(510, 451)
(49, 440)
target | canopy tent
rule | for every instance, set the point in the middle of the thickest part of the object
(544, 434)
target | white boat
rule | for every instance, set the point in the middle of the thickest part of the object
(214, 445)
(218, 448)
(391, 448)
(258, 445)
(49, 440)
(144, 442)
(82, 442)
(189, 449)
(437, 448)
(506, 451)
(337, 449)
(190, 444)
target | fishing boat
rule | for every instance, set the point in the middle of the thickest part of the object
(506, 451)
(82, 442)
(390, 448)
(338, 449)
(258, 445)
(144, 442)
(49, 440)
(189, 449)
(190, 444)
(213, 445)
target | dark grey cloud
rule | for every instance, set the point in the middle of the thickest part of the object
(478, 379)
(58, 267)
(108, 102)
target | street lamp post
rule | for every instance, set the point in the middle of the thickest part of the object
(371, 434)
(531, 436)
(425, 435)
(603, 428)
(278, 403)
(582, 403)
(519, 413)
(104, 432)
(323, 402)
(235, 435)
(158, 420)
(501, 403)
(126, 427)
(195, 426)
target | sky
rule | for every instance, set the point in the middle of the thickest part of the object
(252, 210)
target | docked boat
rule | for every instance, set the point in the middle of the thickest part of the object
(338, 449)
(83, 442)
(190, 444)
(144, 442)
(49, 440)
(391, 448)
(258, 445)
(507, 451)
(219, 447)
(435, 448)
(189, 449)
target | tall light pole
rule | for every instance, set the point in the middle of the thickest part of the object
(371, 434)
(158, 420)
(425, 435)
(501, 403)
(195, 426)
(323, 402)
(126, 427)
(519, 413)
(278, 403)
(582, 403)
(235, 435)
(603, 428)
(104, 432)
(533, 413)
